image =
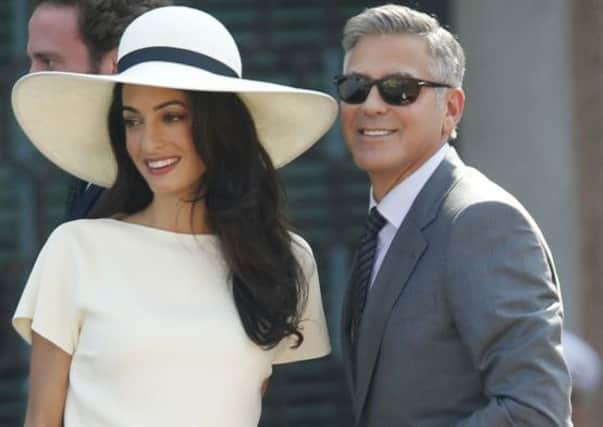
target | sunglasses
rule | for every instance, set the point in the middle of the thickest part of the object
(394, 89)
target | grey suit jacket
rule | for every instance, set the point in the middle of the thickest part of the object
(462, 325)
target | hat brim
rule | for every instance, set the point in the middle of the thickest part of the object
(65, 114)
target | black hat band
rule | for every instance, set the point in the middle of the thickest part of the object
(176, 55)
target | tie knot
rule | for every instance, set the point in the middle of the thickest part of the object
(375, 221)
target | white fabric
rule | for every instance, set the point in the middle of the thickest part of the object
(150, 321)
(397, 202)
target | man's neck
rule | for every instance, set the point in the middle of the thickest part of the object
(382, 182)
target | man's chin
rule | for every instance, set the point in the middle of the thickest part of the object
(372, 163)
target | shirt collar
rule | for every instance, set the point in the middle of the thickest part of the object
(397, 202)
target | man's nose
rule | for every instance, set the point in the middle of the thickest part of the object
(374, 104)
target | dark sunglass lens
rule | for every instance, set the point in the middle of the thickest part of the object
(353, 89)
(399, 91)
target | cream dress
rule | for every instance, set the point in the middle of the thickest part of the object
(149, 319)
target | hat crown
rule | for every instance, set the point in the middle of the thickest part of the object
(183, 28)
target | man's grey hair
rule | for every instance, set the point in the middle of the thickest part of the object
(447, 55)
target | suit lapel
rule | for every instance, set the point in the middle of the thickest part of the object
(406, 249)
(345, 330)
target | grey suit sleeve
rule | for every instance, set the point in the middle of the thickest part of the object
(507, 308)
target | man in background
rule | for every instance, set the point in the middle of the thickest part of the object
(63, 35)
(81, 36)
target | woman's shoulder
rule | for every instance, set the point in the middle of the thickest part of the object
(303, 252)
(300, 244)
(81, 230)
(82, 226)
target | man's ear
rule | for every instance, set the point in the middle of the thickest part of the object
(108, 64)
(454, 107)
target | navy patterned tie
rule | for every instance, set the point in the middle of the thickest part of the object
(365, 259)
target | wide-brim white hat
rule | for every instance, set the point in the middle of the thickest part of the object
(65, 114)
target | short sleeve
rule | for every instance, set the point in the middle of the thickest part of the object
(48, 304)
(313, 324)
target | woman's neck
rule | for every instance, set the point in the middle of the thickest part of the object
(173, 214)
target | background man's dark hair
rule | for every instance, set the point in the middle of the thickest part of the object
(102, 22)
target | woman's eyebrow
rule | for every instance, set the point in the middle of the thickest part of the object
(157, 107)
(168, 103)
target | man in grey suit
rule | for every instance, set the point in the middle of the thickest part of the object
(453, 312)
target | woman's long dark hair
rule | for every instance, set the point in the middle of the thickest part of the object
(244, 207)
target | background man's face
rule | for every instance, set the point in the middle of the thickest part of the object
(390, 142)
(54, 42)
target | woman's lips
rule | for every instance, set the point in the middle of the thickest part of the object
(161, 166)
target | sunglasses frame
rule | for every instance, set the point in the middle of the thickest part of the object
(337, 80)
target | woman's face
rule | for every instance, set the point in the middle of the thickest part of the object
(159, 140)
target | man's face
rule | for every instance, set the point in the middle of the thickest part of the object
(388, 141)
(54, 40)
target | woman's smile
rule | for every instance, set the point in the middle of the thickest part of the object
(161, 166)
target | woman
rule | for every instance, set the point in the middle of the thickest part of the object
(170, 307)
